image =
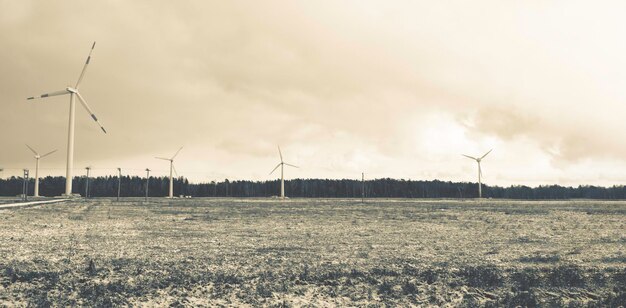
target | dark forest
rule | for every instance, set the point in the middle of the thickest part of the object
(306, 188)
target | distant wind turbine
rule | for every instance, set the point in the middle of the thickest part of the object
(480, 172)
(37, 157)
(119, 182)
(172, 169)
(147, 182)
(282, 174)
(70, 135)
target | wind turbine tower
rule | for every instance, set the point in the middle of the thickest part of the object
(37, 158)
(73, 92)
(282, 173)
(480, 172)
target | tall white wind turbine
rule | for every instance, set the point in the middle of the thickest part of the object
(37, 158)
(172, 169)
(73, 91)
(282, 174)
(480, 172)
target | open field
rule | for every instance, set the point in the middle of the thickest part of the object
(314, 252)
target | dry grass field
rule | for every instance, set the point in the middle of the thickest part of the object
(258, 252)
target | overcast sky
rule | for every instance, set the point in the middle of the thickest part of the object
(394, 88)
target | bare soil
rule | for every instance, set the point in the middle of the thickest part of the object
(300, 252)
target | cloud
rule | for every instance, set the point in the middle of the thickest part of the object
(339, 84)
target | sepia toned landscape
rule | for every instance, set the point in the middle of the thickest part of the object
(319, 252)
(312, 153)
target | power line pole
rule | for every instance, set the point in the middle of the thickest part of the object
(87, 183)
(25, 185)
(119, 183)
(147, 182)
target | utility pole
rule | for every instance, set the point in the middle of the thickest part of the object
(119, 183)
(147, 182)
(25, 185)
(362, 187)
(87, 183)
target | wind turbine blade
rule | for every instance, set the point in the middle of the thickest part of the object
(486, 154)
(291, 165)
(281, 154)
(42, 156)
(55, 93)
(480, 170)
(32, 150)
(82, 73)
(177, 152)
(163, 158)
(93, 116)
(174, 168)
(275, 168)
(474, 158)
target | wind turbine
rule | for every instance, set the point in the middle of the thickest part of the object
(172, 168)
(119, 182)
(70, 134)
(147, 182)
(480, 172)
(37, 157)
(282, 177)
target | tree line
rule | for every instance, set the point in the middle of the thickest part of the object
(134, 186)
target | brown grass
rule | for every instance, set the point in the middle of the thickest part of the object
(319, 252)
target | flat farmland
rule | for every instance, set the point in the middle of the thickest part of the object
(314, 252)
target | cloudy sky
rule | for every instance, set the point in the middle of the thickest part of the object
(394, 88)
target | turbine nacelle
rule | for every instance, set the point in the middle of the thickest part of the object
(37, 155)
(478, 159)
(282, 163)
